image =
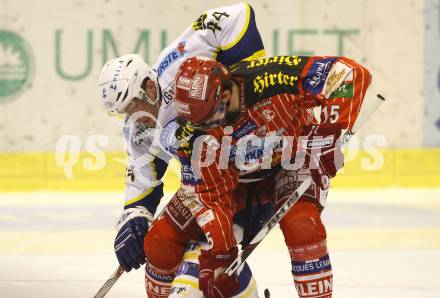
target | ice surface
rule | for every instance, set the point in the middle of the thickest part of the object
(383, 243)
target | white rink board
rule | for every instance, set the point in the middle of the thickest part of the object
(383, 243)
(71, 39)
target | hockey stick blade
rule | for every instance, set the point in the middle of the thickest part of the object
(109, 283)
(268, 226)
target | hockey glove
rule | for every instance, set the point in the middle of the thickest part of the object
(323, 157)
(213, 282)
(129, 243)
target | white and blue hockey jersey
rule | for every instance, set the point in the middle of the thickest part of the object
(228, 34)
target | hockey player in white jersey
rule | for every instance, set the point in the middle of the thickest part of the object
(146, 95)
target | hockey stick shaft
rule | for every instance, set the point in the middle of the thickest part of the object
(109, 283)
(268, 226)
(294, 197)
(363, 117)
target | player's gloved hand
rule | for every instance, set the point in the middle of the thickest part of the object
(129, 243)
(213, 282)
(323, 156)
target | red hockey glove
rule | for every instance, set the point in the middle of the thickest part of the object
(213, 282)
(323, 157)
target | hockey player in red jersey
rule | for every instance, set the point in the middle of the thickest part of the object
(253, 121)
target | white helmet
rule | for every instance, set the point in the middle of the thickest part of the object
(121, 79)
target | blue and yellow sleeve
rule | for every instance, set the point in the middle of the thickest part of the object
(248, 45)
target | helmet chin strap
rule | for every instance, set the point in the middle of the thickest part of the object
(158, 90)
(143, 96)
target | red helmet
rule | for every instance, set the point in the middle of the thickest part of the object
(200, 83)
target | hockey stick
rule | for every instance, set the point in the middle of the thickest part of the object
(268, 226)
(109, 283)
(361, 120)
(294, 197)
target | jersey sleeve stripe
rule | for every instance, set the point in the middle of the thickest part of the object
(247, 46)
(257, 55)
(140, 197)
(185, 281)
(243, 31)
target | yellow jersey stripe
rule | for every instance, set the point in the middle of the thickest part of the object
(184, 281)
(140, 197)
(250, 289)
(192, 255)
(243, 31)
(257, 55)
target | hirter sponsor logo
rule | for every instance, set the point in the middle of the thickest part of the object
(279, 60)
(268, 80)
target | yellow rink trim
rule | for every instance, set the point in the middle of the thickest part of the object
(401, 167)
(38, 171)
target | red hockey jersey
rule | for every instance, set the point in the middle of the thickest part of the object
(279, 94)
